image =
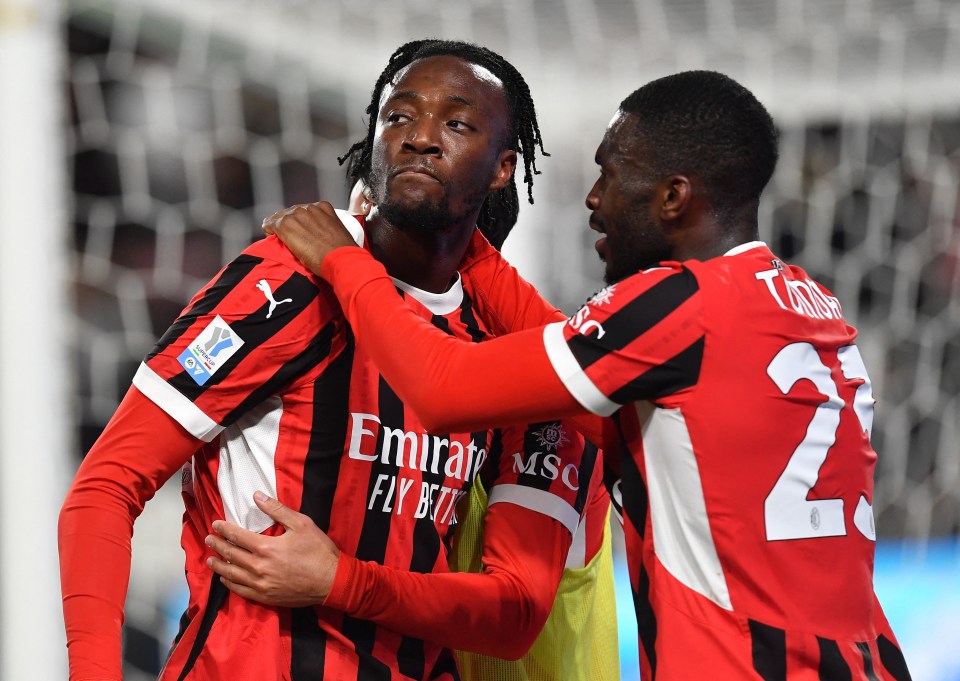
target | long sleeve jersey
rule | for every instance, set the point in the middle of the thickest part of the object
(261, 385)
(743, 412)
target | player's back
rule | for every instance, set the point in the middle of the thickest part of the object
(759, 534)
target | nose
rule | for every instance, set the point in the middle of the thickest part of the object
(593, 196)
(423, 137)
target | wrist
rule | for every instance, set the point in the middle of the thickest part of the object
(341, 592)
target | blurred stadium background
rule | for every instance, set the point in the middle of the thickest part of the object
(142, 142)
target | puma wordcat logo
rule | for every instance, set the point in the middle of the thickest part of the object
(265, 287)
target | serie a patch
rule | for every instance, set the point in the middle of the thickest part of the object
(215, 345)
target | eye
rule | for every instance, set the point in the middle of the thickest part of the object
(459, 125)
(397, 117)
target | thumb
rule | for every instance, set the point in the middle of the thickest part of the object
(273, 508)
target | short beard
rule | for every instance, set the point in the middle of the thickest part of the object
(428, 217)
(423, 217)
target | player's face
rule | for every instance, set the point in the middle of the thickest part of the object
(621, 204)
(439, 144)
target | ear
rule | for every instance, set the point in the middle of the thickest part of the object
(506, 164)
(675, 194)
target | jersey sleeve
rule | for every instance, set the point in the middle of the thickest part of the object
(504, 298)
(511, 378)
(639, 339)
(256, 328)
(545, 467)
(140, 448)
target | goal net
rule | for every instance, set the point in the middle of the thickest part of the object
(189, 121)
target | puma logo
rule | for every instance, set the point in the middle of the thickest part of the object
(265, 287)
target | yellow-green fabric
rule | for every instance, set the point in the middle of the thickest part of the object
(579, 641)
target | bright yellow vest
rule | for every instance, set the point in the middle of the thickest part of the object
(579, 641)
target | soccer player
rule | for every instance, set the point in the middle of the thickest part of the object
(261, 385)
(731, 378)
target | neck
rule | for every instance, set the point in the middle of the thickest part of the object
(714, 235)
(425, 259)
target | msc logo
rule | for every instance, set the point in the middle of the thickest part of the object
(547, 466)
(580, 322)
(551, 436)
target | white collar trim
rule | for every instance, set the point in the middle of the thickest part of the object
(743, 248)
(438, 303)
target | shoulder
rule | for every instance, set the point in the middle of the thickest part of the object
(666, 282)
(271, 250)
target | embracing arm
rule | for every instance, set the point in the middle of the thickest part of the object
(523, 557)
(140, 449)
(523, 554)
(430, 369)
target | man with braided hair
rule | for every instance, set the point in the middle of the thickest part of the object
(260, 386)
(731, 379)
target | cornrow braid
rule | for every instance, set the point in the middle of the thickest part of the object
(499, 211)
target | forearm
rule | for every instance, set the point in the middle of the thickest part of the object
(94, 569)
(498, 612)
(444, 380)
(137, 452)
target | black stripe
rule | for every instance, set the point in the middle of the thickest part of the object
(469, 320)
(867, 661)
(321, 471)
(769, 646)
(374, 535)
(679, 372)
(832, 665)
(585, 473)
(314, 353)
(411, 659)
(891, 658)
(215, 601)
(634, 498)
(446, 665)
(308, 646)
(635, 318)
(255, 330)
(231, 275)
(328, 433)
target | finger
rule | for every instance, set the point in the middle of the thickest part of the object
(278, 512)
(244, 591)
(229, 553)
(230, 571)
(237, 535)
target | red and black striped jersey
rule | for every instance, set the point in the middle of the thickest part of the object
(742, 414)
(262, 366)
(747, 484)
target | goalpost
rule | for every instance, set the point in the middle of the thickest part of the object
(36, 395)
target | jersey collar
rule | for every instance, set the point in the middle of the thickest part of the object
(743, 248)
(438, 303)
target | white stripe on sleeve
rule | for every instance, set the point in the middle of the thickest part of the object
(537, 500)
(185, 412)
(573, 377)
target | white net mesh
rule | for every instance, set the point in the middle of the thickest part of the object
(190, 121)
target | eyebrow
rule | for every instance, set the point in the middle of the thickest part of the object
(412, 94)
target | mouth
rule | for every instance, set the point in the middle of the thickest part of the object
(601, 244)
(416, 172)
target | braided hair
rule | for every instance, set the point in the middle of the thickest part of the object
(498, 214)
